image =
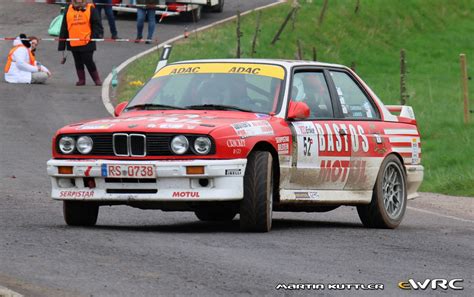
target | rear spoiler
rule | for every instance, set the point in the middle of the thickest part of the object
(403, 110)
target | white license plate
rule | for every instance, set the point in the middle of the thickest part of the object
(129, 171)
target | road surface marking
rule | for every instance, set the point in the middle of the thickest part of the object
(440, 215)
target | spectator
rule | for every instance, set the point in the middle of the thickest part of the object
(22, 66)
(106, 5)
(148, 12)
(81, 21)
(34, 41)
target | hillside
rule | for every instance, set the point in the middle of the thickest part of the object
(433, 33)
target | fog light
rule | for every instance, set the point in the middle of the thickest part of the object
(66, 182)
(203, 182)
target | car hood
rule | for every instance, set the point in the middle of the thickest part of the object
(169, 121)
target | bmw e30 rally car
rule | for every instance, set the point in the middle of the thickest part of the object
(221, 137)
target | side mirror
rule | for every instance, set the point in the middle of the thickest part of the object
(119, 108)
(298, 110)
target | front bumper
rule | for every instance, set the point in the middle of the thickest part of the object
(171, 184)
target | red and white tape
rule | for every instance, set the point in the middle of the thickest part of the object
(82, 39)
(174, 7)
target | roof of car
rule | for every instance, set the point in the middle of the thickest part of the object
(284, 63)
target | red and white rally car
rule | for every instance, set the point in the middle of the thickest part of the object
(221, 137)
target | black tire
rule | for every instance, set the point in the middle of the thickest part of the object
(79, 213)
(193, 15)
(386, 211)
(219, 7)
(215, 215)
(257, 206)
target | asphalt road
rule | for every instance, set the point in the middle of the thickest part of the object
(152, 253)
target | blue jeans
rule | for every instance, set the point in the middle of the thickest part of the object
(151, 17)
(109, 13)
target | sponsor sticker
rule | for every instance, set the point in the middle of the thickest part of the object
(307, 195)
(185, 195)
(415, 158)
(76, 194)
(95, 127)
(234, 172)
(229, 68)
(253, 128)
(236, 142)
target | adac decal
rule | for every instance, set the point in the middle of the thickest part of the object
(229, 68)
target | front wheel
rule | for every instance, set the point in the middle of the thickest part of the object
(257, 206)
(389, 198)
(79, 213)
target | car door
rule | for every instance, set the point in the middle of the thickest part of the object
(365, 129)
(322, 154)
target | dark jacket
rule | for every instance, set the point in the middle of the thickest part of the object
(97, 32)
(148, 2)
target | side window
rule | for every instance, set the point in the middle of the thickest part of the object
(354, 102)
(311, 88)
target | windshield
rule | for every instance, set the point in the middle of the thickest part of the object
(222, 86)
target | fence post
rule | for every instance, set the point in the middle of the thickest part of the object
(323, 12)
(299, 54)
(403, 78)
(239, 34)
(465, 92)
(356, 10)
(315, 57)
(255, 36)
(282, 27)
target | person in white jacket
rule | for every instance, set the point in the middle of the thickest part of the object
(22, 66)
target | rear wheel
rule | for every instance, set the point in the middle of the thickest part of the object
(215, 215)
(193, 15)
(257, 206)
(389, 198)
(219, 7)
(79, 213)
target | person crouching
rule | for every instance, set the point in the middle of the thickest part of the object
(22, 67)
(82, 23)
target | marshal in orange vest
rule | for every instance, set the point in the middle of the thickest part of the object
(10, 57)
(79, 25)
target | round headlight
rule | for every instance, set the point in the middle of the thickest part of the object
(84, 145)
(202, 145)
(67, 145)
(179, 144)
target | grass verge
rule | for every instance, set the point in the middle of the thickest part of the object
(433, 33)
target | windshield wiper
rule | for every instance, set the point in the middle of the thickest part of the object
(154, 106)
(217, 107)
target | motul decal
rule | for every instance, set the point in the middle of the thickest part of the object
(185, 195)
(338, 171)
